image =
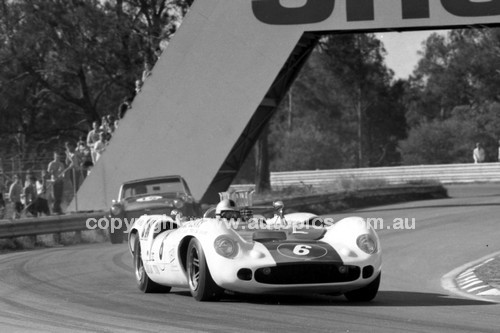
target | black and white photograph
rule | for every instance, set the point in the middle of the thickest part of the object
(250, 166)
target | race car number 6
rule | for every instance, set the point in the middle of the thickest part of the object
(301, 250)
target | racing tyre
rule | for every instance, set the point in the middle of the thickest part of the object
(366, 293)
(144, 283)
(201, 284)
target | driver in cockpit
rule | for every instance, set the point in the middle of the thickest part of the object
(226, 209)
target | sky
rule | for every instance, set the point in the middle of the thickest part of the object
(402, 48)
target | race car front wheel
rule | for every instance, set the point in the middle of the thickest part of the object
(366, 293)
(144, 283)
(201, 284)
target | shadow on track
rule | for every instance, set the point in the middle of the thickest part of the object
(383, 299)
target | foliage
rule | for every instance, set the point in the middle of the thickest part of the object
(438, 142)
(65, 64)
(317, 126)
(460, 69)
(452, 98)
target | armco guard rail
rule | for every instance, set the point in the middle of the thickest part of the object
(367, 195)
(77, 221)
(46, 225)
(444, 173)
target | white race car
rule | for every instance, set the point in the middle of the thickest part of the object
(238, 251)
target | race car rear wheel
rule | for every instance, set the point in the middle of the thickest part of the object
(144, 283)
(201, 284)
(366, 293)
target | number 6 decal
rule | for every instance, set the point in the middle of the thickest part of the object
(301, 250)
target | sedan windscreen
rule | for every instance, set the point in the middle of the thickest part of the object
(153, 187)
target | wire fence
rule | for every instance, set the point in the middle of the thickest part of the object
(22, 167)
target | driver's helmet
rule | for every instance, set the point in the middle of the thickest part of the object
(227, 209)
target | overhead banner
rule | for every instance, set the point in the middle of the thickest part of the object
(375, 14)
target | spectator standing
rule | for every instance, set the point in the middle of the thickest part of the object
(85, 155)
(138, 86)
(498, 150)
(55, 171)
(147, 71)
(111, 124)
(74, 165)
(92, 138)
(30, 196)
(2, 200)
(43, 191)
(124, 106)
(105, 128)
(15, 192)
(104, 123)
(29, 174)
(100, 146)
(478, 153)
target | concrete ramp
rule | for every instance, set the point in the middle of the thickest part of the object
(224, 74)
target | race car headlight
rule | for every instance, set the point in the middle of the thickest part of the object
(178, 203)
(367, 244)
(116, 209)
(226, 247)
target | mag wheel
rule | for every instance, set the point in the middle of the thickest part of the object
(144, 283)
(366, 293)
(201, 284)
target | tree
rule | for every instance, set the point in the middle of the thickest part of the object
(66, 63)
(460, 69)
(453, 99)
(438, 142)
(317, 127)
(357, 63)
(304, 132)
(262, 177)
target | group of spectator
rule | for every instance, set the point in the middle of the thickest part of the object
(42, 194)
(34, 193)
(98, 137)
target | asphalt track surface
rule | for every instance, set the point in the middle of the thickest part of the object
(92, 287)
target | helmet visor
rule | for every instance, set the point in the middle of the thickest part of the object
(230, 214)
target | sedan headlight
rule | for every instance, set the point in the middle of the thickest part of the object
(226, 247)
(367, 244)
(116, 210)
(178, 203)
